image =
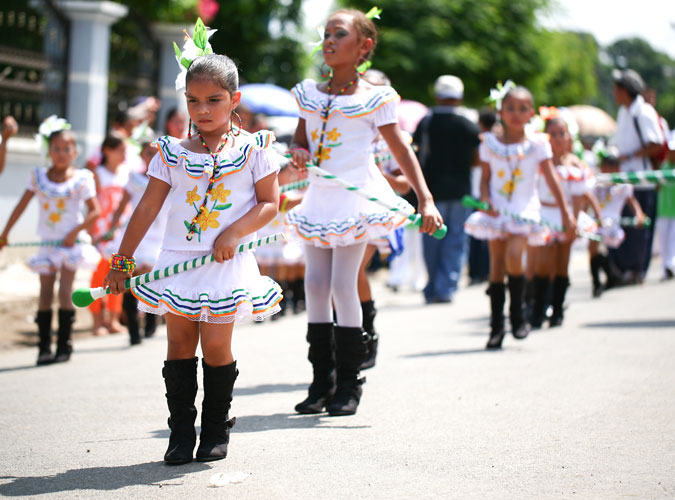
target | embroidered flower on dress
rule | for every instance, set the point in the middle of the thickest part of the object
(315, 135)
(500, 174)
(333, 135)
(325, 154)
(208, 219)
(61, 204)
(55, 217)
(192, 196)
(46, 206)
(220, 193)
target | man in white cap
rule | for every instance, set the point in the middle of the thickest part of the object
(448, 147)
(639, 139)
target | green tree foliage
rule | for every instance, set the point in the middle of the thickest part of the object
(244, 34)
(481, 41)
(569, 70)
(656, 68)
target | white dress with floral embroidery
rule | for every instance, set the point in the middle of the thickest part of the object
(329, 215)
(611, 200)
(514, 170)
(61, 208)
(213, 293)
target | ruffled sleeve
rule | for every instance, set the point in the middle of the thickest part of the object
(304, 93)
(386, 102)
(88, 189)
(483, 153)
(264, 160)
(158, 167)
(543, 149)
(31, 184)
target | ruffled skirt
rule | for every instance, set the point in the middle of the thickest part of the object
(331, 216)
(213, 293)
(50, 259)
(585, 223)
(612, 234)
(486, 227)
(281, 252)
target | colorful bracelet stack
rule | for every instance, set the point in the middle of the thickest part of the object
(122, 264)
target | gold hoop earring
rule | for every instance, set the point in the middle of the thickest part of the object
(325, 73)
(232, 126)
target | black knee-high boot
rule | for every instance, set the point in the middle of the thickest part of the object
(497, 293)
(130, 306)
(369, 313)
(180, 379)
(44, 322)
(150, 325)
(322, 356)
(541, 290)
(350, 351)
(216, 421)
(64, 345)
(520, 328)
(612, 272)
(595, 275)
(560, 284)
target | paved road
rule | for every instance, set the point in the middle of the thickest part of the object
(584, 411)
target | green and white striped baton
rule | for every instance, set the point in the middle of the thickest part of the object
(82, 297)
(632, 222)
(49, 243)
(659, 176)
(416, 219)
(291, 186)
(471, 202)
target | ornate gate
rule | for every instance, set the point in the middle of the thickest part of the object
(33, 61)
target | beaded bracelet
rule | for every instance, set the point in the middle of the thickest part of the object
(301, 149)
(122, 264)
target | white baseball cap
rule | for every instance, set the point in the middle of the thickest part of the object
(449, 87)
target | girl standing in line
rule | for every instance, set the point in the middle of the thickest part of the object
(511, 163)
(221, 188)
(552, 259)
(338, 121)
(62, 191)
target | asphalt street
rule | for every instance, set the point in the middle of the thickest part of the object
(582, 411)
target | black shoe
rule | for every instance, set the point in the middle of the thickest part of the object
(350, 350)
(216, 424)
(369, 313)
(322, 356)
(560, 285)
(64, 345)
(44, 322)
(541, 286)
(520, 328)
(497, 293)
(180, 379)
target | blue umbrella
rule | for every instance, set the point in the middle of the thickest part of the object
(268, 99)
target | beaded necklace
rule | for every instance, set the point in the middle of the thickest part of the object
(325, 112)
(212, 180)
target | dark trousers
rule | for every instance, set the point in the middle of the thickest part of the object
(635, 252)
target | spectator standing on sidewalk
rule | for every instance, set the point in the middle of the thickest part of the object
(639, 139)
(448, 147)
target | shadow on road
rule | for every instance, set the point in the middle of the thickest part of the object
(98, 478)
(653, 323)
(451, 352)
(265, 388)
(281, 421)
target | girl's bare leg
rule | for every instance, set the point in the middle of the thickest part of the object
(182, 336)
(217, 343)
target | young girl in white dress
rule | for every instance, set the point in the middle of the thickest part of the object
(149, 248)
(62, 192)
(511, 164)
(611, 200)
(338, 121)
(221, 188)
(552, 259)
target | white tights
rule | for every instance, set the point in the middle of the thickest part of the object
(332, 273)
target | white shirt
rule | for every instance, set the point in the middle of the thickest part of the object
(626, 137)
